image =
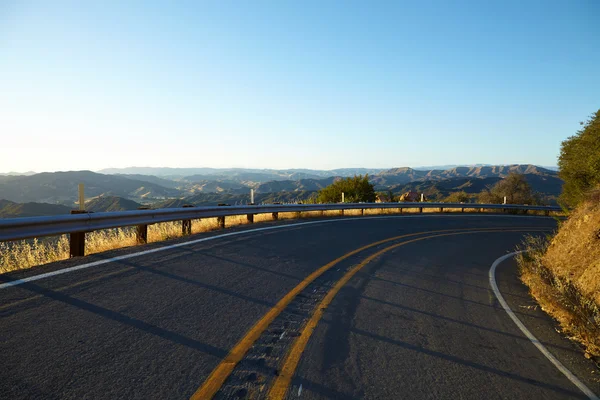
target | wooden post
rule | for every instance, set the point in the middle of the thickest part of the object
(250, 217)
(441, 209)
(275, 216)
(186, 224)
(141, 232)
(421, 210)
(221, 220)
(362, 212)
(77, 240)
(81, 197)
(341, 213)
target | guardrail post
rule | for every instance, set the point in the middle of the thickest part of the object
(221, 219)
(547, 213)
(77, 240)
(275, 216)
(441, 209)
(341, 213)
(141, 232)
(362, 212)
(421, 210)
(250, 217)
(186, 224)
(525, 211)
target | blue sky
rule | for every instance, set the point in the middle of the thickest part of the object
(288, 84)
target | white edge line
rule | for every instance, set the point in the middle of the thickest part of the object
(533, 339)
(173, 246)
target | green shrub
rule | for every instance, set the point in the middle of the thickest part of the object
(356, 189)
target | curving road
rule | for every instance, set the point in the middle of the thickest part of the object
(415, 319)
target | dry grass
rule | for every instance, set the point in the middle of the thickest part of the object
(26, 254)
(563, 274)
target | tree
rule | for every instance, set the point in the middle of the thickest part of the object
(457, 197)
(356, 189)
(514, 187)
(579, 162)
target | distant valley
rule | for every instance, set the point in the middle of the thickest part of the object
(130, 188)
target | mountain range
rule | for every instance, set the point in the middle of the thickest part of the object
(124, 189)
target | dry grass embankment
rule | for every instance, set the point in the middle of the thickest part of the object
(26, 254)
(563, 275)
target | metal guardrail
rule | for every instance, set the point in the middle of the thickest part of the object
(76, 225)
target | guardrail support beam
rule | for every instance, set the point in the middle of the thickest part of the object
(221, 222)
(275, 216)
(77, 240)
(250, 217)
(362, 212)
(441, 209)
(186, 224)
(341, 213)
(77, 244)
(141, 234)
(421, 210)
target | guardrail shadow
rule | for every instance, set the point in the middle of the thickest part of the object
(125, 320)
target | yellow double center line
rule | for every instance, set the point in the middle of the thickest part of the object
(216, 379)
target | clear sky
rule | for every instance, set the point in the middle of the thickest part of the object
(293, 84)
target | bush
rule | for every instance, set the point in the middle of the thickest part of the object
(579, 162)
(457, 197)
(355, 189)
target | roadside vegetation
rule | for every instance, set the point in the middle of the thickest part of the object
(563, 271)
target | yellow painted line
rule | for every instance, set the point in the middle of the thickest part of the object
(218, 376)
(38, 296)
(282, 383)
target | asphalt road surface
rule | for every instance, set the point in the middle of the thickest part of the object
(418, 321)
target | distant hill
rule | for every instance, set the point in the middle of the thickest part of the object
(111, 203)
(9, 209)
(241, 174)
(214, 186)
(61, 187)
(168, 183)
(548, 186)
(294, 186)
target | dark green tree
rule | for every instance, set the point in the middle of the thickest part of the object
(579, 162)
(356, 189)
(514, 187)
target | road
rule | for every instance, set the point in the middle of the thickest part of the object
(417, 320)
